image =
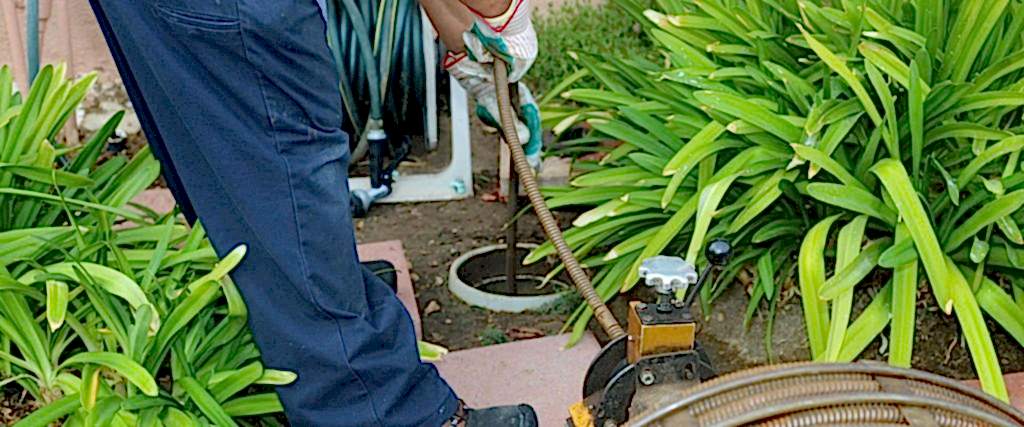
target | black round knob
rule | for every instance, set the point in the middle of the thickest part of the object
(718, 252)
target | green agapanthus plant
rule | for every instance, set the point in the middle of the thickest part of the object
(111, 314)
(848, 145)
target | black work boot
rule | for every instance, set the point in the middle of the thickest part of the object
(521, 415)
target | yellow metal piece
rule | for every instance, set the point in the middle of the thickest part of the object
(580, 415)
(646, 340)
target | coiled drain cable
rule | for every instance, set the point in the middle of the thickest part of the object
(827, 394)
(547, 220)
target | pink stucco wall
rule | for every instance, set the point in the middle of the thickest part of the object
(88, 50)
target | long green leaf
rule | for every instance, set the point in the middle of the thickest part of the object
(47, 176)
(126, 214)
(852, 198)
(901, 191)
(1001, 148)
(122, 365)
(888, 62)
(1002, 308)
(225, 384)
(111, 280)
(856, 271)
(764, 195)
(812, 276)
(904, 306)
(707, 207)
(206, 403)
(915, 107)
(849, 242)
(983, 354)
(253, 405)
(987, 215)
(750, 112)
(53, 412)
(839, 66)
(869, 324)
(181, 316)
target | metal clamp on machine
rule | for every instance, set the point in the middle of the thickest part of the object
(659, 355)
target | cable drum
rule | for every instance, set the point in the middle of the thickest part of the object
(378, 48)
(818, 394)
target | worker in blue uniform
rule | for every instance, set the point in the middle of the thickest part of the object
(239, 101)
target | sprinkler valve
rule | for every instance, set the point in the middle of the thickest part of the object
(382, 176)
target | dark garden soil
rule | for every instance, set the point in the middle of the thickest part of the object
(434, 234)
(14, 405)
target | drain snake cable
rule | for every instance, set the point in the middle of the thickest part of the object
(547, 220)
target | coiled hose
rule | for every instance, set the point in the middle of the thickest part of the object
(32, 39)
(377, 46)
(819, 394)
(547, 220)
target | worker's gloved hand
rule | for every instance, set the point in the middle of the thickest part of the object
(509, 36)
(478, 80)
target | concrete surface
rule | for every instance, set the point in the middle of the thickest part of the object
(1014, 385)
(159, 200)
(537, 371)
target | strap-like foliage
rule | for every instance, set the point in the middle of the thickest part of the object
(92, 314)
(912, 108)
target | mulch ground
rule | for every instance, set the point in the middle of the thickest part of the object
(14, 405)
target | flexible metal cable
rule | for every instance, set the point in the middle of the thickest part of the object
(818, 394)
(529, 181)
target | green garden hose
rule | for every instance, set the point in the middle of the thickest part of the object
(547, 220)
(377, 47)
(364, 51)
(32, 39)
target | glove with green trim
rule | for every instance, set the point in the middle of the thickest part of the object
(509, 36)
(479, 82)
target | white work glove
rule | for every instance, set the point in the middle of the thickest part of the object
(509, 36)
